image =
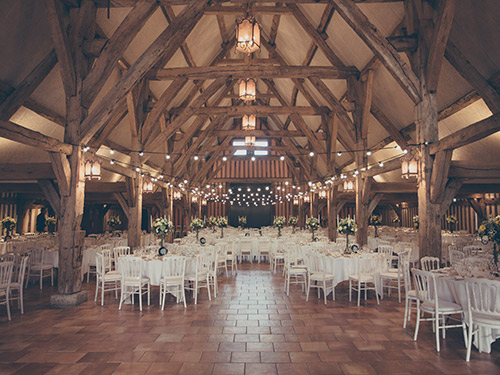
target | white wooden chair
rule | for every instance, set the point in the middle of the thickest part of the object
(395, 276)
(293, 274)
(428, 302)
(455, 256)
(106, 280)
(201, 277)
(245, 246)
(429, 263)
(173, 269)
(5, 280)
(133, 280)
(17, 283)
(231, 258)
(37, 268)
(483, 307)
(264, 249)
(410, 294)
(366, 273)
(318, 277)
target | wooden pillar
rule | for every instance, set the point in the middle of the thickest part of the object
(135, 210)
(332, 212)
(429, 212)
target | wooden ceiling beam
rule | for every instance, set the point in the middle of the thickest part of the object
(131, 3)
(113, 50)
(401, 71)
(29, 137)
(239, 10)
(254, 71)
(264, 133)
(21, 93)
(163, 48)
(258, 110)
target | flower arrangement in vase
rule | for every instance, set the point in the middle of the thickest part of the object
(396, 221)
(376, 221)
(292, 220)
(347, 226)
(452, 221)
(114, 222)
(8, 224)
(196, 225)
(242, 221)
(279, 222)
(161, 227)
(489, 230)
(212, 222)
(313, 224)
(415, 222)
(51, 224)
(222, 223)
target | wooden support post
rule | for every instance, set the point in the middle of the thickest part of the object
(332, 212)
(135, 211)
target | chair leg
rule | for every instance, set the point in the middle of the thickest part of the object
(102, 292)
(436, 319)
(41, 279)
(469, 344)
(149, 293)
(399, 290)
(163, 295)
(21, 299)
(350, 290)
(324, 289)
(7, 304)
(359, 292)
(418, 321)
(208, 288)
(407, 300)
(52, 276)
(96, 289)
(376, 293)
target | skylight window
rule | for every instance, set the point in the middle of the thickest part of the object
(261, 143)
(239, 143)
(240, 153)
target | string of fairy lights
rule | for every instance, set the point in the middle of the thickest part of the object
(285, 192)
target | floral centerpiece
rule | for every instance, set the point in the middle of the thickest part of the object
(489, 230)
(415, 222)
(8, 224)
(313, 224)
(279, 222)
(242, 221)
(347, 227)
(292, 220)
(114, 222)
(376, 221)
(212, 223)
(196, 225)
(452, 221)
(161, 227)
(396, 221)
(222, 223)
(51, 224)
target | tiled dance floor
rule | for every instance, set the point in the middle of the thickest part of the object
(252, 327)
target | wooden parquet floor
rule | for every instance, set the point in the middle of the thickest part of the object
(252, 327)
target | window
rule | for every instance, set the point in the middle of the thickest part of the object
(262, 144)
(261, 153)
(240, 153)
(239, 143)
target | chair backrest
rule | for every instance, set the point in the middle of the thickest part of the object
(130, 267)
(20, 269)
(471, 250)
(407, 276)
(483, 297)
(9, 257)
(367, 264)
(315, 263)
(106, 246)
(100, 264)
(173, 267)
(425, 285)
(264, 245)
(455, 256)
(5, 274)
(429, 263)
(245, 245)
(121, 251)
(403, 258)
(107, 259)
(36, 255)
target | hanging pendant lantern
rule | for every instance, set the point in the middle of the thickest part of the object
(248, 122)
(250, 141)
(295, 201)
(194, 199)
(247, 89)
(322, 194)
(147, 185)
(203, 202)
(409, 166)
(349, 185)
(177, 195)
(307, 198)
(92, 167)
(247, 35)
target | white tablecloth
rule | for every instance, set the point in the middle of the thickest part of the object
(452, 290)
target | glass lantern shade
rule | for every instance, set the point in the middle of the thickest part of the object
(322, 194)
(249, 141)
(247, 35)
(247, 89)
(147, 186)
(349, 185)
(194, 199)
(409, 167)
(177, 195)
(92, 169)
(204, 202)
(248, 122)
(306, 198)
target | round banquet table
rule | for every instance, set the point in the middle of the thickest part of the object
(453, 290)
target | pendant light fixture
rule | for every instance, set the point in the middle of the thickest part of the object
(249, 141)
(92, 167)
(247, 35)
(247, 89)
(409, 166)
(349, 185)
(147, 185)
(248, 122)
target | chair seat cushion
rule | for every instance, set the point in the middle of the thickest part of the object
(192, 277)
(412, 294)
(364, 278)
(391, 275)
(486, 319)
(444, 306)
(38, 267)
(114, 277)
(134, 281)
(320, 276)
(171, 280)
